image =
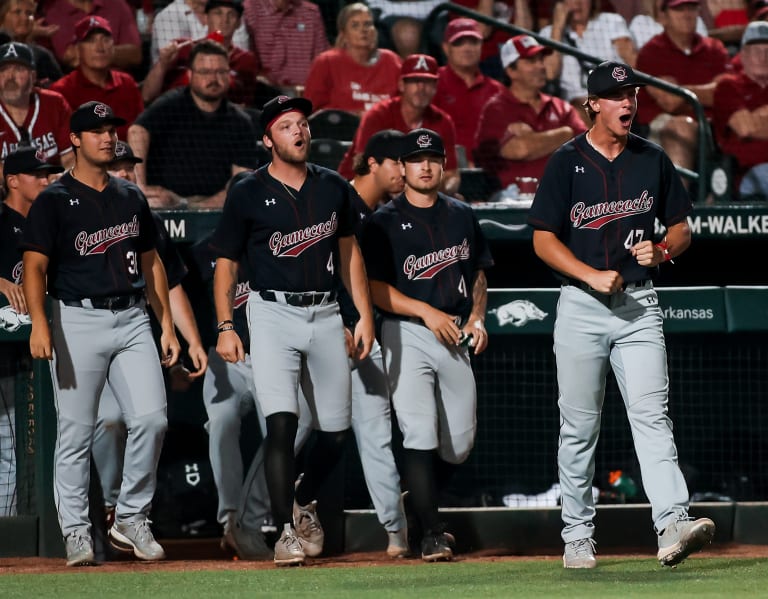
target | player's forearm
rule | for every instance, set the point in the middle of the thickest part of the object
(126, 56)
(678, 239)
(157, 289)
(138, 139)
(34, 286)
(535, 145)
(353, 276)
(389, 299)
(479, 298)
(184, 316)
(152, 86)
(224, 286)
(555, 254)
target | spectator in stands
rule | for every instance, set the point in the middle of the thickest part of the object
(356, 74)
(519, 128)
(171, 70)
(36, 117)
(17, 19)
(287, 35)
(645, 24)
(67, 13)
(683, 57)
(185, 19)
(412, 109)
(758, 11)
(740, 113)
(462, 90)
(192, 139)
(581, 24)
(400, 22)
(726, 20)
(94, 79)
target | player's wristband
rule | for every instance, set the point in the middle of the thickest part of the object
(226, 328)
(224, 322)
(662, 245)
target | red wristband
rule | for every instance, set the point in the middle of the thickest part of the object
(662, 245)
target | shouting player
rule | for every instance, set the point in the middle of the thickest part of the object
(593, 219)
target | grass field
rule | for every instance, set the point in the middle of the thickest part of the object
(614, 577)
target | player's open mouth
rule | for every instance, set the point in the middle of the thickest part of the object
(299, 144)
(626, 119)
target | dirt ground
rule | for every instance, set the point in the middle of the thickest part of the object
(186, 556)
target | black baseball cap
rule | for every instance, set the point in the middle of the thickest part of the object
(280, 105)
(422, 141)
(18, 53)
(236, 4)
(384, 144)
(124, 153)
(93, 115)
(28, 160)
(609, 77)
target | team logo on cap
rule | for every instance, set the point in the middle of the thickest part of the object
(619, 74)
(421, 64)
(282, 99)
(94, 22)
(528, 42)
(424, 141)
(11, 51)
(120, 150)
(100, 110)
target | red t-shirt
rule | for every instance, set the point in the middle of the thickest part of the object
(336, 80)
(46, 126)
(121, 94)
(736, 92)
(660, 57)
(464, 103)
(387, 115)
(492, 134)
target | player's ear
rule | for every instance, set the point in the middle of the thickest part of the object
(267, 141)
(72, 138)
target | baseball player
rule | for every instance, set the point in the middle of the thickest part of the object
(110, 434)
(426, 257)
(292, 224)
(89, 240)
(25, 176)
(593, 218)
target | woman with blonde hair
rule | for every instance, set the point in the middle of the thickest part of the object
(356, 73)
(18, 24)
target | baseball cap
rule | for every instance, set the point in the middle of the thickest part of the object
(422, 141)
(459, 28)
(755, 33)
(236, 4)
(610, 76)
(521, 46)
(93, 115)
(384, 144)
(279, 105)
(665, 4)
(88, 25)
(18, 53)
(28, 160)
(760, 9)
(420, 66)
(124, 153)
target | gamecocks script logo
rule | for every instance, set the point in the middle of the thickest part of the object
(290, 245)
(594, 217)
(241, 294)
(428, 265)
(99, 242)
(100, 110)
(619, 74)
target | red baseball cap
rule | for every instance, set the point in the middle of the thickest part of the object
(672, 3)
(419, 66)
(462, 27)
(521, 46)
(87, 25)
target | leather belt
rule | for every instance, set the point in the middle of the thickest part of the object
(299, 299)
(627, 286)
(106, 302)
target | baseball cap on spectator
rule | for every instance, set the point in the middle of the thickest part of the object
(279, 105)
(384, 144)
(459, 28)
(760, 9)
(422, 141)
(665, 4)
(609, 77)
(91, 24)
(521, 46)
(419, 66)
(93, 115)
(18, 53)
(28, 160)
(236, 4)
(124, 153)
(755, 33)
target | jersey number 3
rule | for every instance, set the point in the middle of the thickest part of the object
(133, 264)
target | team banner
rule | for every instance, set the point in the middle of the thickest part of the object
(747, 309)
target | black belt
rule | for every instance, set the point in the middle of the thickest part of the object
(585, 287)
(106, 302)
(302, 300)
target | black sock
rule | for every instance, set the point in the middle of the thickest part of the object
(322, 458)
(280, 465)
(422, 488)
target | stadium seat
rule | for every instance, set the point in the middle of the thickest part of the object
(334, 124)
(477, 185)
(328, 152)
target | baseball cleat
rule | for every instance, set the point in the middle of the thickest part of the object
(580, 554)
(683, 537)
(136, 537)
(79, 550)
(247, 544)
(398, 543)
(437, 547)
(308, 528)
(288, 549)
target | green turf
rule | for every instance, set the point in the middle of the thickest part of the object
(626, 577)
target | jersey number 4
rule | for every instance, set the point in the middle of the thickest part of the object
(635, 236)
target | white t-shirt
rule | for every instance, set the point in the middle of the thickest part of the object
(417, 9)
(644, 27)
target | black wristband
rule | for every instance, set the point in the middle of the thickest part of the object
(224, 322)
(225, 328)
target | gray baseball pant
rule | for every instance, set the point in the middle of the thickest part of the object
(108, 451)
(7, 446)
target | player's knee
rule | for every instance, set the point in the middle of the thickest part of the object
(222, 426)
(459, 448)
(151, 425)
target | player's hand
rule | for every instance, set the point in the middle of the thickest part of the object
(606, 281)
(167, 56)
(179, 376)
(199, 358)
(518, 129)
(647, 254)
(364, 337)
(40, 345)
(170, 348)
(14, 294)
(442, 325)
(160, 197)
(479, 340)
(349, 341)
(41, 29)
(230, 347)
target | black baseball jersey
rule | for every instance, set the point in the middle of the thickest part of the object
(599, 209)
(429, 254)
(93, 239)
(289, 237)
(11, 230)
(175, 269)
(349, 313)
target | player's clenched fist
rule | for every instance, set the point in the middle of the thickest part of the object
(606, 281)
(40, 342)
(230, 347)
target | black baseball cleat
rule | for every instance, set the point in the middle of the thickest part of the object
(437, 547)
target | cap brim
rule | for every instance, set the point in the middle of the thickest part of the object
(115, 120)
(613, 90)
(422, 152)
(462, 34)
(43, 168)
(419, 76)
(131, 159)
